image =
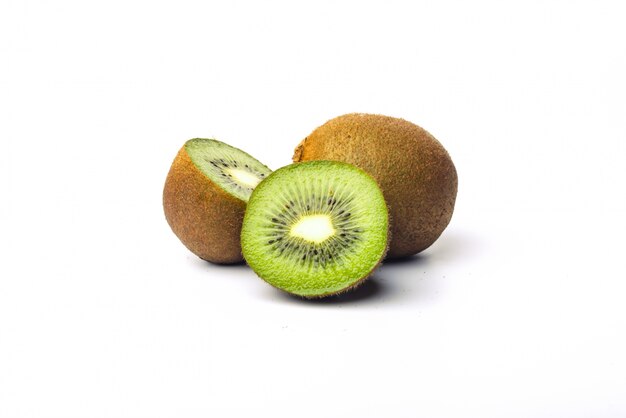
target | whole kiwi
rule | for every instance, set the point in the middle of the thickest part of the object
(415, 172)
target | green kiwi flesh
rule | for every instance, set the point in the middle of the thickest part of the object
(315, 229)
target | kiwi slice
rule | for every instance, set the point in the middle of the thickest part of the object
(205, 197)
(315, 229)
(414, 170)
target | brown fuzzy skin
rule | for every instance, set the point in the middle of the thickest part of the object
(413, 169)
(202, 215)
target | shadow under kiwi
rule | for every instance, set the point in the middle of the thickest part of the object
(415, 259)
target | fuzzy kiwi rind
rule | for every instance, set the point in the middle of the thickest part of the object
(417, 175)
(349, 267)
(205, 216)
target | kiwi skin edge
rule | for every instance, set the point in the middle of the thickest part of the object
(415, 172)
(203, 216)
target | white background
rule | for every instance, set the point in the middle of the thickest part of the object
(517, 311)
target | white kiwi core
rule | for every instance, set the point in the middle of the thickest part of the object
(313, 228)
(244, 177)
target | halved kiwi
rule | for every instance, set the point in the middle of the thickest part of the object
(205, 197)
(315, 229)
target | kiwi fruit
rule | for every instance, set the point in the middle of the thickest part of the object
(315, 229)
(205, 197)
(413, 169)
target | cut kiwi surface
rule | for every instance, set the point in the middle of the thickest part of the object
(205, 197)
(315, 229)
(235, 171)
